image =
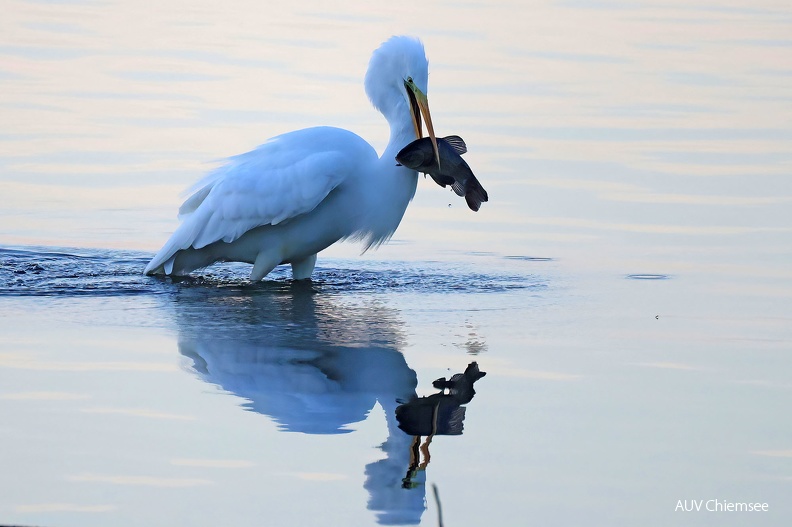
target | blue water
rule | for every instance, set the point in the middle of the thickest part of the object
(43, 271)
(129, 397)
(314, 358)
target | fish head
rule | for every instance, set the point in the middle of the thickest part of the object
(417, 155)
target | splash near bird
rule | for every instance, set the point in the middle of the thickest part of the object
(451, 169)
(300, 192)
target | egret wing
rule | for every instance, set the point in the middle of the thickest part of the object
(287, 176)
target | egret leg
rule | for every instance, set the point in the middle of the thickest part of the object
(303, 268)
(188, 260)
(265, 262)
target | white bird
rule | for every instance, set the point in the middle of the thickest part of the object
(300, 192)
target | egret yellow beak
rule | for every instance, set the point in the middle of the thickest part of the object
(419, 105)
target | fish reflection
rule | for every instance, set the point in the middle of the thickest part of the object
(438, 414)
(318, 363)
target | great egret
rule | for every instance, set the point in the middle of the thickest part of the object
(302, 191)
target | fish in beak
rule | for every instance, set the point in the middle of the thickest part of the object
(419, 155)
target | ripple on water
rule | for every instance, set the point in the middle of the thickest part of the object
(53, 272)
(66, 272)
(646, 276)
(529, 258)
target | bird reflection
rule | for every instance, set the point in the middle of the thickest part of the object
(317, 363)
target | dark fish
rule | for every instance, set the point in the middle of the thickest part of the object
(452, 169)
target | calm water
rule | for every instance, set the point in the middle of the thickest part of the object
(627, 289)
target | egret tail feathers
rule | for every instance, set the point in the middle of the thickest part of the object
(183, 238)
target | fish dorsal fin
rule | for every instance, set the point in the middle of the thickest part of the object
(456, 143)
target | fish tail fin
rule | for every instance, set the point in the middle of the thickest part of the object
(475, 194)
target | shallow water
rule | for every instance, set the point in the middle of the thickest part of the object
(627, 289)
(278, 400)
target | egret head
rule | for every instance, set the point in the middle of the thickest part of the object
(396, 83)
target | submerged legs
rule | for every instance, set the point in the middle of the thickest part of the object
(302, 269)
(265, 262)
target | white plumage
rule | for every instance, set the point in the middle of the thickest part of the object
(302, 191)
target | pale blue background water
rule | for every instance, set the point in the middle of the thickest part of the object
(615, 139)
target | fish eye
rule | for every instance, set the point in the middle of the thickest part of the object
(409, 80)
